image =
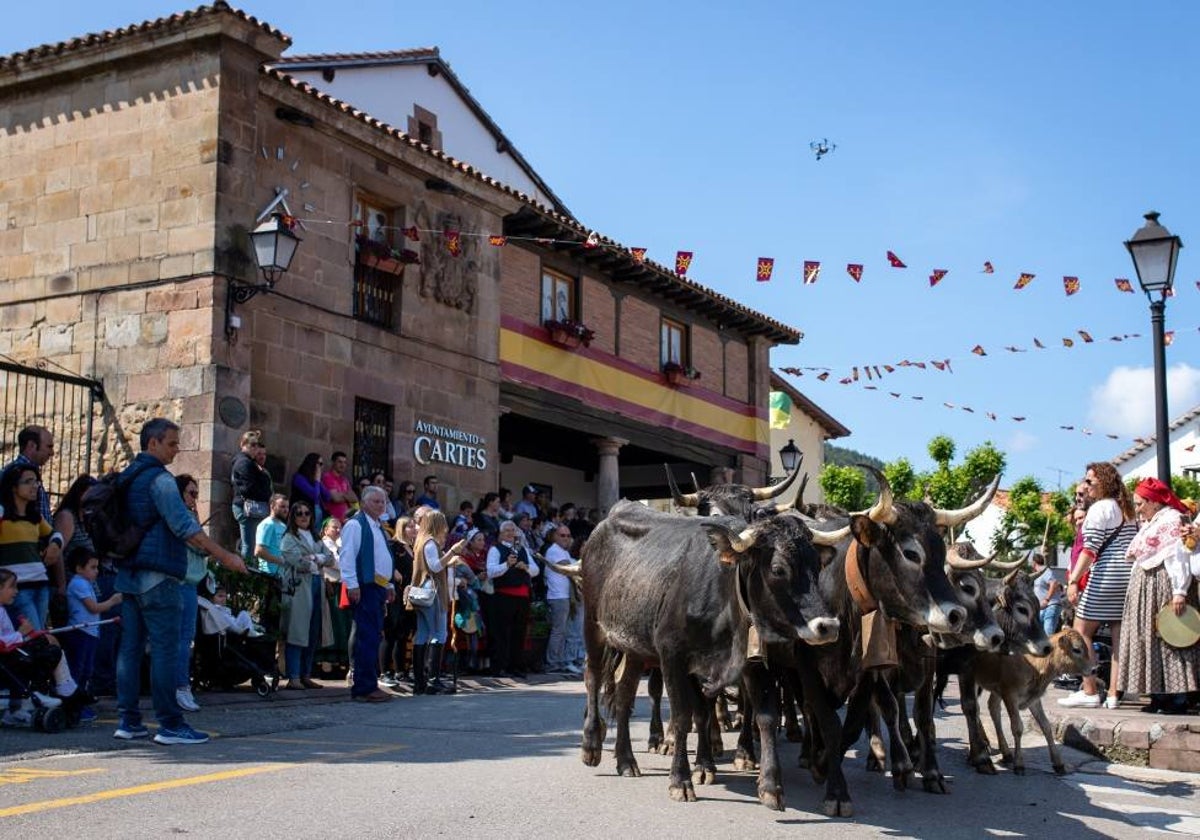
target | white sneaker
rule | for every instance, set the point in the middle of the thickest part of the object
(573, 669)
(1079, 700)
(1111, 702)
(17, 717)
(183, 696)
(48, 701)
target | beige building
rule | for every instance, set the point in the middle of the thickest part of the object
(808, 427)
(135, 163)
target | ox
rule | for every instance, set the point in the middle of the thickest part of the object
(685, 593)
(732, 499)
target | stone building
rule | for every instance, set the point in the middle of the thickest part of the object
(135, 163)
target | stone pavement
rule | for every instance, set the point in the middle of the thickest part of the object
(1128, 735)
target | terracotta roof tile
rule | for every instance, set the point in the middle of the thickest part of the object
(790, 333)
(109, 36)
(414, 54)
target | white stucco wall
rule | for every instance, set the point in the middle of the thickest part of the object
(809, 437)
(389, 93)
(1145, 463)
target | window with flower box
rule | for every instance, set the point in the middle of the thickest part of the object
(379, 262)
(673, 343)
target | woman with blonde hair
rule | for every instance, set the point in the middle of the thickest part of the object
(1107, 532)
(399, 622)
(431, 570)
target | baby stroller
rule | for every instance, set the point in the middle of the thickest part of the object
(27, 674)
(224, 658)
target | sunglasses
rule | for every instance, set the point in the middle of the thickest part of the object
(299, 513)
(193, 494)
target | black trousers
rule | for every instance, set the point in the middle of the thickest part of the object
(510, 618)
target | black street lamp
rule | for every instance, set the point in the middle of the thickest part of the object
(789, 457)
(1155, 252)
(274, 247)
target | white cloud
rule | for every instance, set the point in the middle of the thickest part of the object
(1124, 403)
(1021, 441)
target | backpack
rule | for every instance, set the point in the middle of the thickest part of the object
(104, 511)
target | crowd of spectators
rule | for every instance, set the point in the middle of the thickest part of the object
(369, 575)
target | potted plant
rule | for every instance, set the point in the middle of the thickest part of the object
(568, 333)
(379, 255)
(676, 374)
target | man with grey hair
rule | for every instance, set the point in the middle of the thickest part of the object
(366, 565)
(151, 612)
(510, 568)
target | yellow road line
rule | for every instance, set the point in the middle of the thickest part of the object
(137, 790)
(22, 775)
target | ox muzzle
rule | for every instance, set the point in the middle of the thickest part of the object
(819, 631)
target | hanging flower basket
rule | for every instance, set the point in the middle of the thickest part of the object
(569, 334)
(380, 256)
(677, 374)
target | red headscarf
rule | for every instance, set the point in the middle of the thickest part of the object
(1153, 490)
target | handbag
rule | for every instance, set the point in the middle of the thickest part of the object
(421, 596)
(255, 509)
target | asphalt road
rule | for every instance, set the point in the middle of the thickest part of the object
(505, 762)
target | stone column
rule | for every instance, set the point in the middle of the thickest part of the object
(608, 473)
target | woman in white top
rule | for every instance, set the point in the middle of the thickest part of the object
(1160, 576)
(430, 567)
(1107, 532)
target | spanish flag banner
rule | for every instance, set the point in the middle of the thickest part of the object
(765, 266)
(683, 261)
(781, 410)
(811, 271)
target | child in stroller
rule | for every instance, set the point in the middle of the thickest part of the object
(30, 663)
(232, 649)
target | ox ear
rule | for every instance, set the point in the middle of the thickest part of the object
(729, 546)
(866, 530)
(826, 554)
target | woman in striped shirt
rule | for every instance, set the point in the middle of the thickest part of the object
(1107, 531)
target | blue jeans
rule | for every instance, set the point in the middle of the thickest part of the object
(152, 616)
(431, 624)
(368, 632)
(80, 650)
(1051, 617)
(246, 528)
(33, 604)
(189, 606)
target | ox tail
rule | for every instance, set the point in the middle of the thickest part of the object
(608, 680)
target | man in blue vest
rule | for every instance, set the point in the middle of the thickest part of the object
(366, 564)
(151, 610)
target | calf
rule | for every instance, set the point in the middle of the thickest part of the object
(1019, 681)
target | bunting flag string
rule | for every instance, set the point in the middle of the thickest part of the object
(855, 270)
(765, 266)
(895, 261)
(1024, 280)
(683, 261)
(1070, 285)
(936, 276)
(987, 267)
(811, 271)
(1124, 285)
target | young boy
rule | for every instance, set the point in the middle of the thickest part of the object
(84, 607)
(219, 618)
(16, 714)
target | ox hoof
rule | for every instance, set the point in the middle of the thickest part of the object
(653, 743)
(934, 783)
(666, 748)
(900, 779)
(744, 762)
(773, 799)
(985, 767)
(630, 770)
(1060, 769)
(682, 792)
(590, 756)
(838, 808)
(704, 775)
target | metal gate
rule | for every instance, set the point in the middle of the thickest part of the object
(67, 405)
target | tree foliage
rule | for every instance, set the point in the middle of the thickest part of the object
(902, 477)
(845, 487)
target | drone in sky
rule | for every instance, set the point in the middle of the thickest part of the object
(821, 147)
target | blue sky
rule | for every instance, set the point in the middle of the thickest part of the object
(1031, 135)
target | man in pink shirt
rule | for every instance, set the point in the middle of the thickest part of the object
(337, 482)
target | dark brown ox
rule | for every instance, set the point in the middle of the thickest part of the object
(731, 499)
(684, 592)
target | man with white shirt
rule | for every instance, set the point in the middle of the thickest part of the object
(558, 599)
(366, 565)
(511, 568)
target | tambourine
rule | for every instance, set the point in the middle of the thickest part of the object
(1179, 631)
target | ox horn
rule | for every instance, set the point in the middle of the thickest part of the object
(797, 504)
(681, 499)
(884, 509)
(962, 564)
(1011, 576)
(571, 570)
(761, 494)
(829, 537)
(744, 541)
(948, 518)
(1013, 565)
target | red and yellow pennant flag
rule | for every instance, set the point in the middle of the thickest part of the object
(1123, 285)
(1168, 337)
(889, 368)
(895, 261)
(823, 376)
(412, 234)
(855, 271)
(1038, 344)
(1024, 280)
(811, 270)
(765, 266)
(854, 374)
(937, 275)
(1086, 336)
(1070, 285)
(639, 254)
(938, 365)
(683, 261)
(920, 365)
(1068, 342)
(498, 241)
(987, 268)
(978, 350)
(592, 241)
(453, 242)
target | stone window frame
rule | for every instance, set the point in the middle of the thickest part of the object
(422, 125)
(558, 282)
(667, 327)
